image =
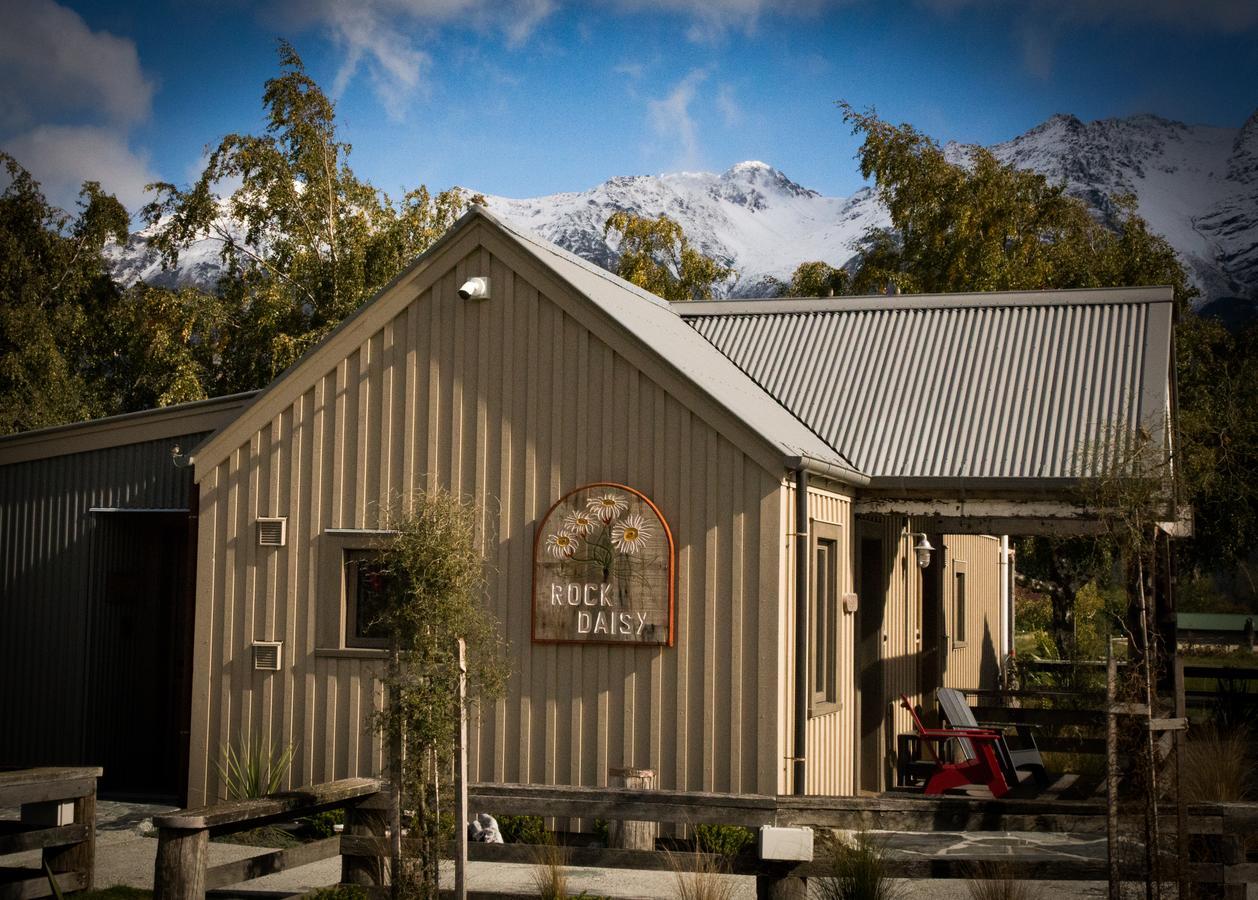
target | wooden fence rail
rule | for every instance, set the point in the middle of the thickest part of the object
(1220, 833)
(180, 871)
(59, 819)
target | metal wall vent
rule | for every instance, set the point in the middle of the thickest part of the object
(266, 655)
(272, 532)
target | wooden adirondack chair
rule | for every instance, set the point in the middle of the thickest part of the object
(1027, 755)
(985, 768)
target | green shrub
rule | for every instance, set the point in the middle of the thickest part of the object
(321, 824)
(339, 892)
(523, 830)
(724, 840)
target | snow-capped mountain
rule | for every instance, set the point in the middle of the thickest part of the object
(751, 218)
(1196, 185)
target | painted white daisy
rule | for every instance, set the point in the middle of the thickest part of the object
(631, 535)
(607, 506)
(579, 522)
(561, 544)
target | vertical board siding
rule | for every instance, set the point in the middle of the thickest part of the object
(512, 402)
(46, 586)
(977, 664)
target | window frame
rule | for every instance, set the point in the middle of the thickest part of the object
(960, 605)
(352, 559)
(823, 692)
(331, 596)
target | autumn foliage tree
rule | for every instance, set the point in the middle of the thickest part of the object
(304, 241)
(656, 256)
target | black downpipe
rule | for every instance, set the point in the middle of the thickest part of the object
(801, 627)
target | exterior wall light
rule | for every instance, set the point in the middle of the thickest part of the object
(475, 289)
(922, 549)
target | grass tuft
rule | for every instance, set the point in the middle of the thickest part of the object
(1217, 765)
(860, 870)
(993, 881)
(700, 876)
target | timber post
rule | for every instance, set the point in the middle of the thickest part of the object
(366, 820)
(628, 835)
(80, 857)
(58, 818)
(780, 884)
(179, 870)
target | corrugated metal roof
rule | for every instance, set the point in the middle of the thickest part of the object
(990, 386)
(195, 417)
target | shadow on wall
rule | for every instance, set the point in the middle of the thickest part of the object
(989, 665)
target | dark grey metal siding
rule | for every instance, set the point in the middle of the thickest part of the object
(47, 590)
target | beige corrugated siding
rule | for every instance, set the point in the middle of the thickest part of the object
(513, 401)
(977, 664)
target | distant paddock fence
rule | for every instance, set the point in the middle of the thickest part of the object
(1221, 834)
(1227, 694)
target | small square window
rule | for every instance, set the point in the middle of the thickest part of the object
(366, 593)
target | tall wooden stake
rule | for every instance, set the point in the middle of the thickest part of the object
(1181, 813)
(395, 754)
(1111, 772)
(460, 784)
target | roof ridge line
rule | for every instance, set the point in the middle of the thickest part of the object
(1062, 297)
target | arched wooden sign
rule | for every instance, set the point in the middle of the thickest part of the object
(603, 569)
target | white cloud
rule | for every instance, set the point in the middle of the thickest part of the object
(52, 64)
(710, 20)
(62, 157)
(670, 117)
(383, 36)
(727, 104)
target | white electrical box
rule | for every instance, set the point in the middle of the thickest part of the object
(786, 843)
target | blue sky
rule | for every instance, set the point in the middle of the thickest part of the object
(526, 97)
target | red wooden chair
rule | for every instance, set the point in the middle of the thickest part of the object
(984, 768)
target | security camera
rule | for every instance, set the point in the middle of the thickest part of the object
(475, 289)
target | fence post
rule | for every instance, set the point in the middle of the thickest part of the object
(179, 870)
(367, 871)
(1111, 772)
(1234, 856)
(80, 857)
(631, 835)
(781, 886)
